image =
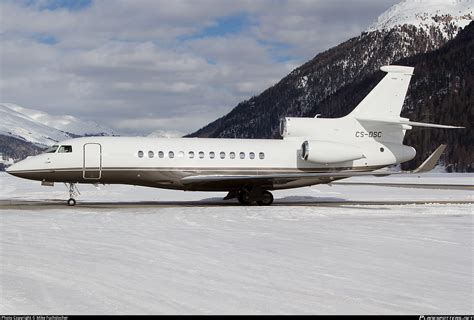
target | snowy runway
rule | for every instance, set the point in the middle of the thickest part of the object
(100, 257)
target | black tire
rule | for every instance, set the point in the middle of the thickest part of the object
(244, 198)
(71, 202)
(267, 199)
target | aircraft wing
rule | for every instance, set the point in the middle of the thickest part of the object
(266, 180)
(284, 178)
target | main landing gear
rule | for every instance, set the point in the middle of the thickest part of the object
(73, 192)
(262, 197)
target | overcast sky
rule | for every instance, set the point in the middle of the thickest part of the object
(144, 65)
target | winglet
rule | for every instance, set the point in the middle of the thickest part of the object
(431, 161)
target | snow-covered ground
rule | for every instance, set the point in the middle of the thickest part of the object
(314, 251)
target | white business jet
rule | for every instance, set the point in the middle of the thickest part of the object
(312, 151)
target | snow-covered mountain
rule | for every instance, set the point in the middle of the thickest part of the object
(165, 134)
(427, 14)
(44, 129)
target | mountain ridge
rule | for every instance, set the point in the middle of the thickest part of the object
(43, 129)
(26, 132)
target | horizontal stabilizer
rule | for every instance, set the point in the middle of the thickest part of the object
(401, 121)
(398, 69)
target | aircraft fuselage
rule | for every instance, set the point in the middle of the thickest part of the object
(162, 163)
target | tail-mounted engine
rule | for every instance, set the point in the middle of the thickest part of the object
(297, 127)
(329, 152)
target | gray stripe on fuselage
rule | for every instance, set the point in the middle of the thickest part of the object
(231, 170)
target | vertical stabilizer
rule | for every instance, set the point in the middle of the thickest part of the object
(386, 99)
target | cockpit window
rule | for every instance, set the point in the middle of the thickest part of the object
(65, 149)
(52, 149)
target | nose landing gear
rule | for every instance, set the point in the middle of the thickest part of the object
(73, 192)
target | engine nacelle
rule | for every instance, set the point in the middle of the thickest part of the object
(297, 127)
(321, 129)
(329, 152)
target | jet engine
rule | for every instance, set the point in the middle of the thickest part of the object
(329, 152)
(297, 127)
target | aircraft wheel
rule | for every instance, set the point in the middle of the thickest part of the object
(244, 198)
(266, 200)
(71, 202)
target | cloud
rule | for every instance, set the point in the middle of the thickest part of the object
(307, 27)
(140, 66)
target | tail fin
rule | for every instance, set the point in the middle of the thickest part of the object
(386, 99)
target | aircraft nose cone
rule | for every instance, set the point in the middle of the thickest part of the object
(23, 169)
(32, 168)
(12, 169)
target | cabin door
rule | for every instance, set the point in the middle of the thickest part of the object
(92, 167)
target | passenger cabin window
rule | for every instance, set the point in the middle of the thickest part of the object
(212, 155)
(51, 149)
(242, 155)
(161, 154)
(201, 155)
(261, 155)
(171, 154)
(65, 149)
(191, 154)
(252, 155)
(222, 155)
(151, 154)
(232, 155)
(140, 154)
